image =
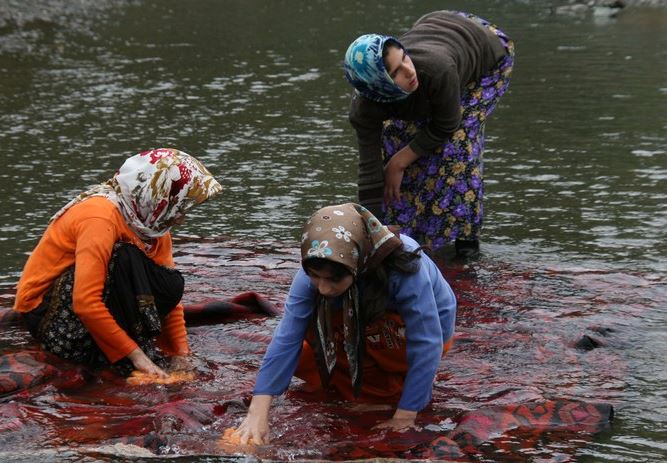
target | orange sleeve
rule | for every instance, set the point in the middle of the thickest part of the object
(94, 244)
(173, 338)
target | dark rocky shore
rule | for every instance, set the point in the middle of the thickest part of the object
(22, 13)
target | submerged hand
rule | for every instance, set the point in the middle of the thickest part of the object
(142, 363)
(401, 421)
(253, 431)
(255, 426)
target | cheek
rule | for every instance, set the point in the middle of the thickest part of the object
(411, 65)
(345, 284)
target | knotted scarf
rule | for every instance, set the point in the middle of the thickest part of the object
(154, 189)
(350, 235)
(365, 69)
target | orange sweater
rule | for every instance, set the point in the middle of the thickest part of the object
(85, 236)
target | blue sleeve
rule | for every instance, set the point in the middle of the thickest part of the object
(428, 308)
(282, 355)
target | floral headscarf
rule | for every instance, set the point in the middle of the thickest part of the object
(154, 188)
(365, 70)
(350, 235)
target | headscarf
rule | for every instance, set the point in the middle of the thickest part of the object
(350, 235)
(153, 188)
(365, 70)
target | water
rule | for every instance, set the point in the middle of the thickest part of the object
(576, 161)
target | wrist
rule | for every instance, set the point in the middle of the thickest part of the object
(260, 404)
(404, 158)
(136, 354)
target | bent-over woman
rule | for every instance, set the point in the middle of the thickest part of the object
(368, 316)
(419, 111)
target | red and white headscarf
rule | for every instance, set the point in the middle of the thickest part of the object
(153, 189)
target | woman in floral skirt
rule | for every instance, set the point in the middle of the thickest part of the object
(419, 111)
(100, 288)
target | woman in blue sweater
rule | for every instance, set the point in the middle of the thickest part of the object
(365, 300)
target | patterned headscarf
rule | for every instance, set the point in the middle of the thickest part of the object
(350, 235)
(153, 189)
(365, 70)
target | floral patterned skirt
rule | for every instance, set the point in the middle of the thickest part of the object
(442, 194)
(138, 294)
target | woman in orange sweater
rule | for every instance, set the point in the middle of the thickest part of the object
(100, 287)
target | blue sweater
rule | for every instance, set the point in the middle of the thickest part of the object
(423, 300)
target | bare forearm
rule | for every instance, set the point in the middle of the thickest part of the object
(260, 405)
(393, 173)
(404, 157)
(255, 426)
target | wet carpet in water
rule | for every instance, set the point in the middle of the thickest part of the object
(534, 372)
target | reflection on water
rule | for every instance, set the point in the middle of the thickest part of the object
(576, 158)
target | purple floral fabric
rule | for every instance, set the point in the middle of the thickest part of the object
(442, 194)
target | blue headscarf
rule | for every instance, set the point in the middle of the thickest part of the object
(364, 69)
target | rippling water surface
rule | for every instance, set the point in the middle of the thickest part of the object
(576, 157)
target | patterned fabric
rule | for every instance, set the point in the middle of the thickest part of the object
(60, 331)
(385, 362)
(347, 234)
(365, 70)
(442, 195)
(154, 189)
(137, 292)
(350, 235)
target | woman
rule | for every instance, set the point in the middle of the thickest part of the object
(364, 300)
(100, 285)
(419, 110)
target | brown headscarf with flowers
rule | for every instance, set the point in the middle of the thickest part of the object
(350, 235)
(153, 189)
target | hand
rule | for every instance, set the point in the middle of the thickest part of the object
(401, 421)
(393, 176)
(255, 426)
(393, 173)
(142, 363)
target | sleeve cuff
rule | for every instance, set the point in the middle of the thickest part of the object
(417, 148)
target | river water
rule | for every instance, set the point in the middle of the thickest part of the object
(576, 158)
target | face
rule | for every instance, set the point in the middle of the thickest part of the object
(327, 284)
(401, 69)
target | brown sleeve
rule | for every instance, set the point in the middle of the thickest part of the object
(445, 102)
(366, 118)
